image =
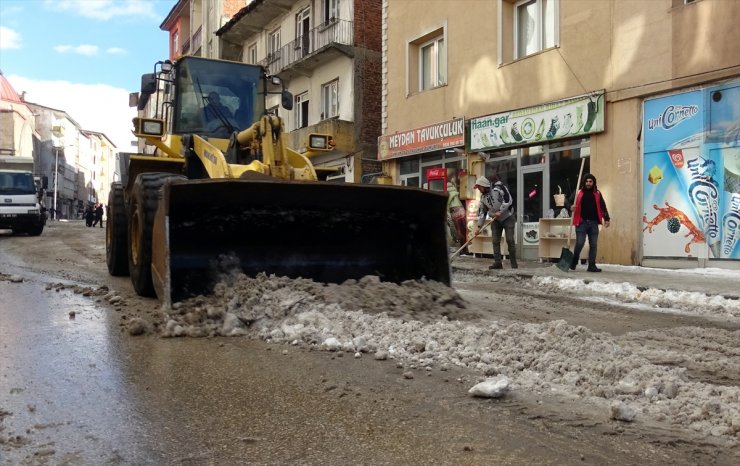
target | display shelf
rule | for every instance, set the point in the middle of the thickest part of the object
(483, 244)
(554, 237)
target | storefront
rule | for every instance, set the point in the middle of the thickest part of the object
(691, 177)
(537, 152)
(414, 152)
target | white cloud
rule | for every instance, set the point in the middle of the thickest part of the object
(106, 9)
(116, 51)
(9, 39)
(84, 49)
(96, 107)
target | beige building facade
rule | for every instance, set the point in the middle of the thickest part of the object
(543, 85)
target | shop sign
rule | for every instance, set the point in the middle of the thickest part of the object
(577, 116)
(691, 175)
(426, 139)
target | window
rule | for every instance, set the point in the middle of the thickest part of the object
(534, 26)
(273, 45)
(252, 54)
(432, 64)
(176, 43)
(427, 56)
(301, 110)
(302, 27)
(330, 99)
(273, 110)
(330, 10)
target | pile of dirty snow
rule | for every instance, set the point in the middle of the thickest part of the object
(427, 325)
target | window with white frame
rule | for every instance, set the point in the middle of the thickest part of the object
(330, 99)
(176, 43)
(252, 54)
(300, 110)
(330, 10)
(432, 64)
(273, 45)
(535, 26)
(302, 27)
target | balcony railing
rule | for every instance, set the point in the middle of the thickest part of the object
(197, 39)
(331, 32)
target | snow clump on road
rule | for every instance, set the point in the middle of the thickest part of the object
(426, 325)
(690, 302)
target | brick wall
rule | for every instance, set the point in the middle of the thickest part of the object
(368, 24)
(368, 86)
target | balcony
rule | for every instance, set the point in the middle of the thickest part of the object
(185, 49)
(311, 50)
(197, 40)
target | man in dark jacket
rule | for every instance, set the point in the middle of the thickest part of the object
(496, 201)
(589, 212)
(98, 215)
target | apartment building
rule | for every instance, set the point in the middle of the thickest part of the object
(17, 123)
(646, 94)
(192, 25)
(75, 161)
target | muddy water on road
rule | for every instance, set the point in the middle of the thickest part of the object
(64, 384)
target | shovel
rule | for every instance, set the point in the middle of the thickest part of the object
(566, 255)
(457, 253)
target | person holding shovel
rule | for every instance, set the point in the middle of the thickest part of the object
(497, 200)
(589, 212)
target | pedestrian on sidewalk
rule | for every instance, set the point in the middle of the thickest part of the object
(497, 201)
(98, 215)
(589, 212)
(89, 215)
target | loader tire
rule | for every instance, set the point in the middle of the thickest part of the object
(116, 233)
(144, 202)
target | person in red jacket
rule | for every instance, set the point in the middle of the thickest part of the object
(590, 211)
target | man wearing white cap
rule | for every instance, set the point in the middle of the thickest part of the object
(497, 201)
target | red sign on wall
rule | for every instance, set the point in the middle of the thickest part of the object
(426, 139)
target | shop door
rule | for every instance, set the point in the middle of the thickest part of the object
(531, 208)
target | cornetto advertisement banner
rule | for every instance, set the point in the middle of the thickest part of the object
(691, 175)
(426, 139)
(567, 118)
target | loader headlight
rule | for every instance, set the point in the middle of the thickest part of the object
(320, 142)
(148, 127)
(152, 127)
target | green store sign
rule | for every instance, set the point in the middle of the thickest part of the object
(567, 118)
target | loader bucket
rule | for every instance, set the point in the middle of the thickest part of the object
(328, 232)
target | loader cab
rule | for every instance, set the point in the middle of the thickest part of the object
(214, 98)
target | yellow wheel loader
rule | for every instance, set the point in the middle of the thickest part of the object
(222, 189)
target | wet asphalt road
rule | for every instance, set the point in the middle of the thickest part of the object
(82, 391)
(78, 390)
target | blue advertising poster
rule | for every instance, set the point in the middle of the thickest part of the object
(691, 200)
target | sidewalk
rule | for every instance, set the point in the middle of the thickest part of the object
(711, 281)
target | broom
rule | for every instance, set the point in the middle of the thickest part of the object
(566, 255)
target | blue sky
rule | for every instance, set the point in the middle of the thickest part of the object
(83, 56)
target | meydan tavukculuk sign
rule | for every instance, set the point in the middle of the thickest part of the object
(691, 174)
(566, 118)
